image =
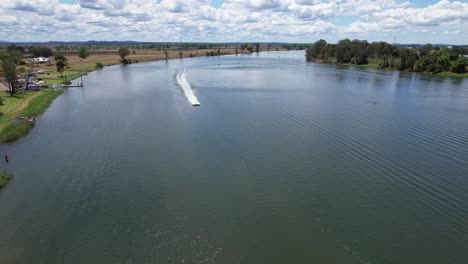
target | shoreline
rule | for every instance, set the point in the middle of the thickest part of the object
(377, 67)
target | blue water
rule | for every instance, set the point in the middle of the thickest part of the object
(283, 162)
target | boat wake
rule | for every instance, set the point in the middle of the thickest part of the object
(187, 88)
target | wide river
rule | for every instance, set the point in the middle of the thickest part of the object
(283, 162)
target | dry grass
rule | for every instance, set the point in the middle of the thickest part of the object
(78, 66)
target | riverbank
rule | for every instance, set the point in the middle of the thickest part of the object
(375, 64)
(5, 178)
(18, 112)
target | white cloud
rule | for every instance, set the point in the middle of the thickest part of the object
(235, 20)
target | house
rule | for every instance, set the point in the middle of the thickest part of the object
(40, 60)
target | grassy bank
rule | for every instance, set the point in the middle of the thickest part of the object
(23, 104)
(5, 177)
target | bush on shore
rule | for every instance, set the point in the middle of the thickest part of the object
(5, 177)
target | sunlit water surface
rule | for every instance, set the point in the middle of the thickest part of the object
(283, 162)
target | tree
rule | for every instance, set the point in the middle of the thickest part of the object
(13, 48)
(42, 52)
(257, 47)
(459, 66)
(8, 61)
(83, 52)
(442, 63)
(60, 63)
(360, 51)
(408, 58)
(315, 51)
(123, 52)
(425, 50)
(343, 51)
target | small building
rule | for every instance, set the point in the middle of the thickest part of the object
(40, 60)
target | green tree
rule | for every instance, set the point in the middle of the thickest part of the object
(257, 47)
(442, 63)
(42, 52)
(459, 66)
(83, 52)
(123, 53)
(360, 51)
(343, 51)
(314, 52)
(99, 65)
(8, 62)
(13, 48)
(425, 50)
(60, 63)
(408, 58)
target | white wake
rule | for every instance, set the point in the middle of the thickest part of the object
(187, 88)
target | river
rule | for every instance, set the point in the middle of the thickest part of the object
(283, 162)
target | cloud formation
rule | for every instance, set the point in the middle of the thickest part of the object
(234, 20)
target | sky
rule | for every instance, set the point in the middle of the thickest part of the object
(300, 21)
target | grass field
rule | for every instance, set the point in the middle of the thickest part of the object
(23, 104)
(78, 66)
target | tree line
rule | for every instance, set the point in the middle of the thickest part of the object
(426, 58)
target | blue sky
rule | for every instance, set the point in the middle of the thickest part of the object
(410, 21)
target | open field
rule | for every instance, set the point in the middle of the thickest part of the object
(78, 66)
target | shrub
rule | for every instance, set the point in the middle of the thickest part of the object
(99, 65)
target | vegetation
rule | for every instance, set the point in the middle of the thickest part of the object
(23, 104)
(13, 48)
(16, 130)
(60, 63)
(8, 70)
(386, 56)
(83, 52)
(5, 177)
(123, 53)
(99, 65)
(41, 51)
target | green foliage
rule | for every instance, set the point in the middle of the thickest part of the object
(41, 51)
(83, 52)
(425, 50)
(408, 59)
(8, 70)
(314, 52)
(13, 48)
(384, 55)
(5, 177)
(16, 130)
(60, 63)
(343, 51)
(459, 66)
(257, 47)
(99, 65)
